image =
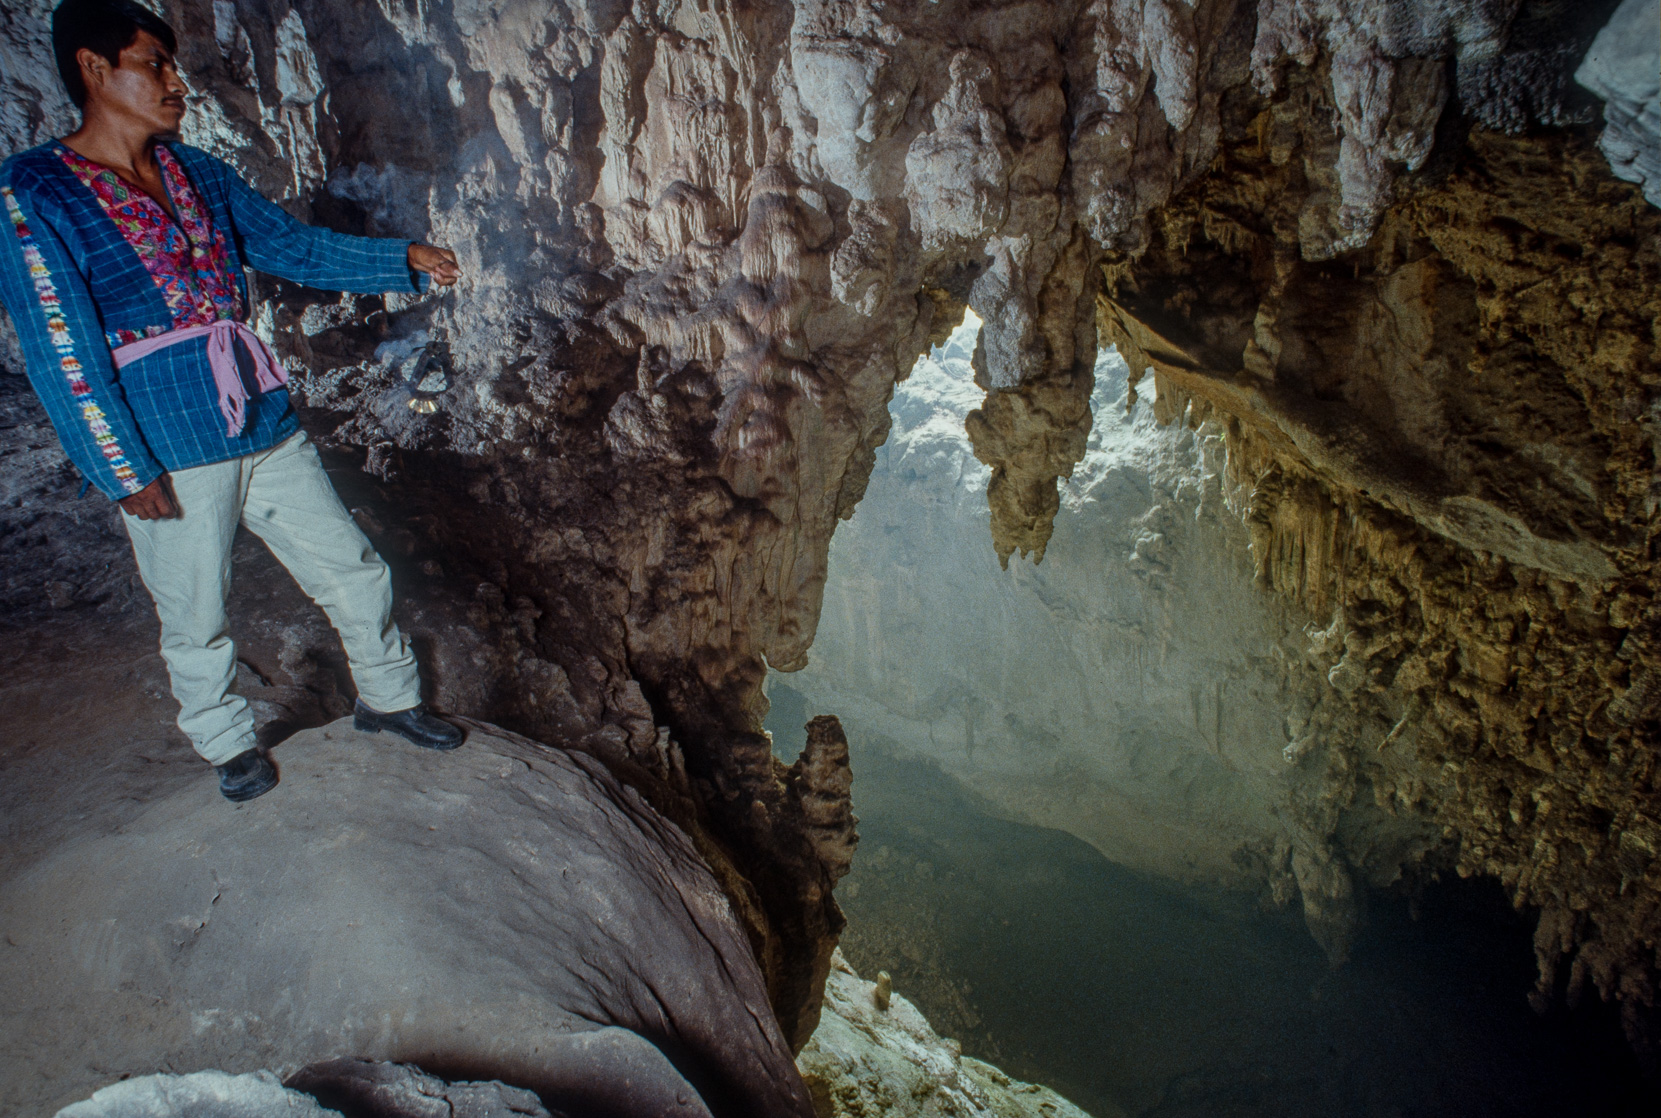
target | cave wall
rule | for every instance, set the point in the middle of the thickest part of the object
(703, 241)
(666, 372)
(1443, 450)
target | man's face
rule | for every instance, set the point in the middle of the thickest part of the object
(145, 88)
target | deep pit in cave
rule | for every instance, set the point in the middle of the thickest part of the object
(1046, 929)
(1275, 562)
(1042, 957)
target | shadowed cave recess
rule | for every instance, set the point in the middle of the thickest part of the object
(1271, 552)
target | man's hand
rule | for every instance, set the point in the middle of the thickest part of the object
(439, 263)
(153, 502)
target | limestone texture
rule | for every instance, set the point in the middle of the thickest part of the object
(359, 1088)
(1438, 450)
(1624, 68)
(875, 1055)
(1373, 242)
(256, 1094)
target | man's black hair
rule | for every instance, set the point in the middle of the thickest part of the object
(105, 27)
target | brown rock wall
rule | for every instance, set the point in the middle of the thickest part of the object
(1442, 447)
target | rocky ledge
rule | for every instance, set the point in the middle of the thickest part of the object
(508, 913)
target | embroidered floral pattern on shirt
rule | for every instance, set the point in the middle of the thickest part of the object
(58, 327)
(119, 338)
(187, 258)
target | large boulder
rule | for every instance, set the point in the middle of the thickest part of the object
(507, 911)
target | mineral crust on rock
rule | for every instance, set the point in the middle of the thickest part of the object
(874, 1060)
(1438, 450)
(1624, 68)
(255, 1094)
(359, 1088)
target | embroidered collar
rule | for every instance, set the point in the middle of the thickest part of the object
(184, 253)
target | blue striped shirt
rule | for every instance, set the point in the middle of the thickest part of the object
(69, 278)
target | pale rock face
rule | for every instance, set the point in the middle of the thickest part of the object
(1389, 63)
(1136, 689)
(868, 1060)
(1624, 68)
(363, 1088)
(257, 1094)
(957, 181)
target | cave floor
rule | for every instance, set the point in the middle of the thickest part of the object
(86, 727)
(1127, 992)
(87, 737)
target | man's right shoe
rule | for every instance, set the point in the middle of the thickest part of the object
(414, 724)
(245, 776)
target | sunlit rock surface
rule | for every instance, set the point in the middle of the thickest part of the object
(1136, 689)
(870, 1060)
(361, 1088)
(1624, 68)
(257, 1094)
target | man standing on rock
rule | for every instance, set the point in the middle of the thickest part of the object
(122, 266)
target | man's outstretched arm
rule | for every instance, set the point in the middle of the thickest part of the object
(276, 243)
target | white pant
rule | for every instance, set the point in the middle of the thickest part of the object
(284, 497)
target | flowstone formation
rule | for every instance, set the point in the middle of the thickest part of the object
(702, 241)
(876, 1057)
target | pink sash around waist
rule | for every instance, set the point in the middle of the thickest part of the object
(233, 397)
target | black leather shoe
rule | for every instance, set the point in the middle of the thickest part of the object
(415, 724)
(245, 776)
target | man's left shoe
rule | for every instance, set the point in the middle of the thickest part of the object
(246, 776)
(415, 724)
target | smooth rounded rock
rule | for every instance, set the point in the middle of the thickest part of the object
(506, 911)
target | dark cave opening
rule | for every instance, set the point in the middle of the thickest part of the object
(1131, 994)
